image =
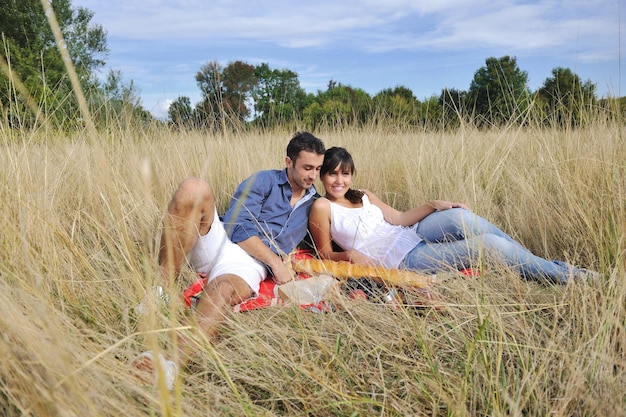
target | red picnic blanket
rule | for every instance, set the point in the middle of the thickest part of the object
(268, 290)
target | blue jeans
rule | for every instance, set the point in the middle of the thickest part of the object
(460, 239)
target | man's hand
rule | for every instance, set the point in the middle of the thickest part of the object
(282, 273)
(258, 250)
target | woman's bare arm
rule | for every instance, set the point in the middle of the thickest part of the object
(319, 226)
(412, 216)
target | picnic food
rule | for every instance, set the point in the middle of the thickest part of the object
(345, 270)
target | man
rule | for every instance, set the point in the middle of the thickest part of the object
(267, 218)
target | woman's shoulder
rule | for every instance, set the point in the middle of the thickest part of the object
(320, 203)
(373, 200)
(367, 194)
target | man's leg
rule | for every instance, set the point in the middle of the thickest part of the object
(218, 297)
(215, 302)
(189, 215)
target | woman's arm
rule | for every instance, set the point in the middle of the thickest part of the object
(412, 216)
(319, 226)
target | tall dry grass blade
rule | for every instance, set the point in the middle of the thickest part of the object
(69, 66)
(16, 83)
(79, 227)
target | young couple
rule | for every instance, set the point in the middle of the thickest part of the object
(268, 217)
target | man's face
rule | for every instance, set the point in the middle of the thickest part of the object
(303, 172)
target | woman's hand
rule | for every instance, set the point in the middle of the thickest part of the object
(357, 257)
(441, 205)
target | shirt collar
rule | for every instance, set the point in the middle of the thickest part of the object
(282, 177)
(283, 180)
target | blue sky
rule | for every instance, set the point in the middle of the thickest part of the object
(425, 45)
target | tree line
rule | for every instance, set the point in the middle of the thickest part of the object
(34, 86)
(240, 93)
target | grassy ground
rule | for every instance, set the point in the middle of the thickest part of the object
(80, 218)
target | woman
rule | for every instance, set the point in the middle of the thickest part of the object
(430, 238)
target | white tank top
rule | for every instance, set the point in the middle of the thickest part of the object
(365, 229)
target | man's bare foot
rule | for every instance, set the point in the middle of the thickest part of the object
(147, 371)
(425, 297)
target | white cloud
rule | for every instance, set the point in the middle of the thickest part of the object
(517, 27)
(161, 44)
(160, 108)
(375, 26)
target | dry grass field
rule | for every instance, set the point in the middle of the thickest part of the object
(80, 218)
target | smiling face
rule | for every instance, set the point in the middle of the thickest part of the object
(337, 182)
(337, 172)
(303, 172)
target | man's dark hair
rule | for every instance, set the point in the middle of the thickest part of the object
(304, 141)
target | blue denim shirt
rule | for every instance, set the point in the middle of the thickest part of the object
(261, 206)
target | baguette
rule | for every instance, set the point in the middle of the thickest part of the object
(345, 270)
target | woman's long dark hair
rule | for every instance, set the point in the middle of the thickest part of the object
(339, 157)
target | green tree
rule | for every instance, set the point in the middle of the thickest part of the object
(313, 115)
(498, 93)
(431, 115)
(225, 94)
(337, 113)
(121, 102)
(564, 98)
(86, 42)
(180, 112)
(210, 111)
(277, 96)
(401, 91)
(343, 104)
(238, 81)
(396, 105)
(33, 59)
(453, 103)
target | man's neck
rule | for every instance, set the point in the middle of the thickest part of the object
(297, 194)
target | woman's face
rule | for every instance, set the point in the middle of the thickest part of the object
(337, 182)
